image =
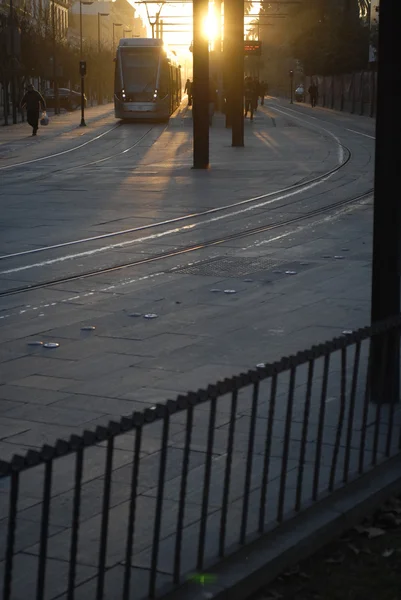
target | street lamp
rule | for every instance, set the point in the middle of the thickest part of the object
(87, 3)
(115, 25)
(127, 31)
(291, 73)
(55, 83)
(100, 90)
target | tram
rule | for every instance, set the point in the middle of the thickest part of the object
(147, 81)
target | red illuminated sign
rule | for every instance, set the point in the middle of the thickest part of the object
(252, 48)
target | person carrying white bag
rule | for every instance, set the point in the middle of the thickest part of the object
(33, 101)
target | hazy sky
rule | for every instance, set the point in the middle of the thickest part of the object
(177, 19)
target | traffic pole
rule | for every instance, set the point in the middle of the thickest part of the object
(200, 110)
(12, 29)
(236, 8)
(386, 263)
(82, 71)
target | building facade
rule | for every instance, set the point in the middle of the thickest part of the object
(105, 22)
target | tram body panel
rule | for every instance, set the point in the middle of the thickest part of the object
(147, 82)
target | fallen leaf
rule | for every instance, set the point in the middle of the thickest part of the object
(354, 549)
(366, 551)
(291, 572)
(304, 575)
(374, 532)
(337, 559)
(388, 552)
(360, 529)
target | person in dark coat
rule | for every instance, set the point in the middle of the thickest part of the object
(33, 101)
(313, 93)
(188, 90)
(262, 92)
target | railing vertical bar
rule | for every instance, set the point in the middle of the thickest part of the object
(304, 438)
(206, 484)
(320, 428)
(44, 530)
(105, 519)
(159, 506)
(389, 436)
(227, 473)
(266, 459)
(341, 415)
(390, 428)
(351, 412)
(365, 413)
(379, 402)
(287, 434)
(132, 513)
(79, 461)
(249, 462)
(183, 492)
(12, 523)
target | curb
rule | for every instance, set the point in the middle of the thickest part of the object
(261, 561)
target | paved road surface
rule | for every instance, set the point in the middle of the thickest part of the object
(285, 223)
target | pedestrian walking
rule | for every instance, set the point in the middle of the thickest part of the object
(262, 92)
(249, 97)
(33, 101)
(313, 93)
(188, 90)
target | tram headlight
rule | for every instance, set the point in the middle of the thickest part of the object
(155, 95)
(123, 94)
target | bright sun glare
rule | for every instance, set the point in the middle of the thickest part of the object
(210, 25)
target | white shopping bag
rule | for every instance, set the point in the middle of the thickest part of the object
(45, 119)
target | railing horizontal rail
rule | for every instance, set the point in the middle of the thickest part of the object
(158, 412)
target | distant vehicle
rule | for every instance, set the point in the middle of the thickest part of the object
(147, 80)
(300, 94)
(68, 99)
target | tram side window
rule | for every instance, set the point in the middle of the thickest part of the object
(164, 80)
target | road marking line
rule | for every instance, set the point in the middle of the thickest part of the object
(372, 137)
(156, 236)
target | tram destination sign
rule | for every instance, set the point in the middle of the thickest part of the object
(252, 48)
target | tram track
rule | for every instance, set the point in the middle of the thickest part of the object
(301, 186)
(243, 206)
(190, 248)
(54, 155)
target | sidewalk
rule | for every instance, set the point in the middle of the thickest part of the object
(219, 312)
(17, 136)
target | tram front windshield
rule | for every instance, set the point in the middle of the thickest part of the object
(139, 71)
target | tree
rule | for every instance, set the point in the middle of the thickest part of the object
(330, 40)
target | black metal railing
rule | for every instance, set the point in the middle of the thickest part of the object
(131, 509)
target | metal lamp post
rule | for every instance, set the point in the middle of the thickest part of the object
(87, 3)
(100, 89)
(12, 63)
(55, 84)
(115, 25)
(291, 86)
